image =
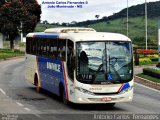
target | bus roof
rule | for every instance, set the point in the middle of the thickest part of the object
(79, 34)
(69, 29)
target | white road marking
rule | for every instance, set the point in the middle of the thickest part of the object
(27, 109)
(2, 91)
(37, 115)
(147, 87)
(20, 104)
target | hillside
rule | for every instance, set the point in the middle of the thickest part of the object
(153, 11)
(136, 27)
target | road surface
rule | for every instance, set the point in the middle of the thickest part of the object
(18, 97)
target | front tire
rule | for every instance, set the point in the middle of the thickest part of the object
(65, 101)
(37, 83)
(62, 95)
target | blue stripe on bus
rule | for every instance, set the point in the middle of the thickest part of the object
(46, 35)
(50, 78)
(125, 86)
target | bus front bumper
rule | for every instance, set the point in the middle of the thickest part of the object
(84, 98)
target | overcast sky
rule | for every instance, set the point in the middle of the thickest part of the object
(88, 12)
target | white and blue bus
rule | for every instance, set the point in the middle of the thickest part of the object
(81, 65)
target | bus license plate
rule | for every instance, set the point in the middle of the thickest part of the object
(106, 99)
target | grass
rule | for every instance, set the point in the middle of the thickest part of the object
(148, 63)
(136, 27)
(7, 53)
(153, 79)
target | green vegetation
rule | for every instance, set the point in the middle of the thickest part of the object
(41, 27)
(149, 78)
(136, 27)
(6, 44)
(151, 72)
(148, 63)
(21, 44)
(8, 53)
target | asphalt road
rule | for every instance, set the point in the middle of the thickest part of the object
(19, 100)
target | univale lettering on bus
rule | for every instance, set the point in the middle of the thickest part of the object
(53, 66)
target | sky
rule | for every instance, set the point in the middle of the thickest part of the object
(89, 9)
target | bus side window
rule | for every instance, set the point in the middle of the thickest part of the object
(32, 46)
(70, 55)
(48, 47)
(28, 46)
(44, 48)
(53, 48)
(39, 47)
(61, 49)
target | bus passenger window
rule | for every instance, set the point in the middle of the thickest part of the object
(48, 47)
(44, 53)
(39, 51)
(53, 48)
(62, 49)
(70, 65)
(28, 46)
(33, 47)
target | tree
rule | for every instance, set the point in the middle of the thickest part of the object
(45, 22)
(97, 16)
(73, 23)
(13, 12)
(106, 19)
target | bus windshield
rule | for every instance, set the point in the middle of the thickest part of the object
(104, 62)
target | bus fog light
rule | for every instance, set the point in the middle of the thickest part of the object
(130, 97)
(80, 99)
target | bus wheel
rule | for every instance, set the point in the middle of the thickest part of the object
(65, 101)
(38, 88)
(62, 95)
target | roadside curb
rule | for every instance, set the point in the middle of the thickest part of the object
(147, 82)
(12, 58)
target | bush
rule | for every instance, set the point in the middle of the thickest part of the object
(151, 72)
(149, 51)
(145, 60)
(154, 59)
(152, 56)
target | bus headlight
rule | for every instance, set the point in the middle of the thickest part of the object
(126, 90)
(84, 91)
